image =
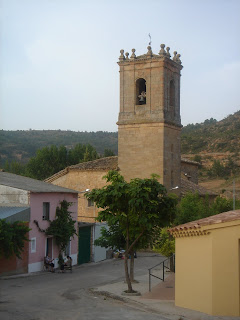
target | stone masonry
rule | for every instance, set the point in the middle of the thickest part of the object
(149, 122)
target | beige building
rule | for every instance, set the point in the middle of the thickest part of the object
(149, 122)
(149, 126)
(89, 175)
(207, 277)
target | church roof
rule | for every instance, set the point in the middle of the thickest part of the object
(190, 162)
(111, 163)
(189, 186)
(102, 164)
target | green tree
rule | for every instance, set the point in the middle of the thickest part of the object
(165, 244)
(111, 237)
(62, 228)
(191, 207)
(108, 153)
(138, 207)
(197, 158)
(12, 238)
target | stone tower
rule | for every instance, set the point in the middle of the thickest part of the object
(149, 122)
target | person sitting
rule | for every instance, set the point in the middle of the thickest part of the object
(49, 263)
(67, 265)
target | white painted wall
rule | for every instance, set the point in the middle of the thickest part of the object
(99, 253)
(13, 196)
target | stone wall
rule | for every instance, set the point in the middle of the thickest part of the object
(81, 180)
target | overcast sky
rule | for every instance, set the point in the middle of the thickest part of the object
(58, 58)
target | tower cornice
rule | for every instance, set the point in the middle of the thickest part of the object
(149, 56)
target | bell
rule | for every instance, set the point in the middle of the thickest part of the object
(141, 99)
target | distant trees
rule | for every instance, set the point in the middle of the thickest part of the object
(50, 160)
(193, 207)
(223, 170)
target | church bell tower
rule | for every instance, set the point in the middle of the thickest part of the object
(149, 122)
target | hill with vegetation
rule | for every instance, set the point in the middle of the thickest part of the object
(212, 136)
(22, 145)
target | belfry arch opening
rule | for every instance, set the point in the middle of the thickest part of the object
(140, 91)
(172, 99)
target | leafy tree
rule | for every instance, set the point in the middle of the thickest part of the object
(12, 238)
(165, 244)
(193, 207)
(138, 207)
(62, 228)
(197, 158)
(50, 160)
(108, 153)
(111, 238)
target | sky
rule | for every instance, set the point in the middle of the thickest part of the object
(58, 58)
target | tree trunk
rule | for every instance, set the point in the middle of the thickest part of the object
(126, 261)
(132, 266)
(130, 289)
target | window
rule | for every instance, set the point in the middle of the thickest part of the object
(141, 91)
(33, 245)
(90, 203)
(172, 99)
(172, 182)
(46, 209)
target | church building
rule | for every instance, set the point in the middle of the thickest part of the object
(149, 128)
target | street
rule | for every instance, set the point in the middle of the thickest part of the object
(66, 296)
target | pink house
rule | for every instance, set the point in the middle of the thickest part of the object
(42, 199)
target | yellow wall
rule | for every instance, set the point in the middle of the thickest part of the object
(81, 180)
(208, 270)
(225, 271)
(193, 283)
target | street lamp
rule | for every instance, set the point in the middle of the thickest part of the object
(174, 188)
(84, 191)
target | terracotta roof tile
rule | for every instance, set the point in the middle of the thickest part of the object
(190, 162)
(216, 219)
(109, 163)
(189, 186)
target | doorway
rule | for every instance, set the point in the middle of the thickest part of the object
(84, 245)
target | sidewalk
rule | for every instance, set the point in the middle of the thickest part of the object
(160, 300)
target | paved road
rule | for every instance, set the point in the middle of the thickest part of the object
(66, 296)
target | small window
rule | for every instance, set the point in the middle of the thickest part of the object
(172, 99)
(172, 179)
(33, 245)
(90, 203)
(46, 209)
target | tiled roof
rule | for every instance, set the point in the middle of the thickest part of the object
(29, 184)
(190, 162)
(188, 186)
(109, 163)
(216, 219)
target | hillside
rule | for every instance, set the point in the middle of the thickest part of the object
(212, 136)
(22, 145)
(211, 139)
